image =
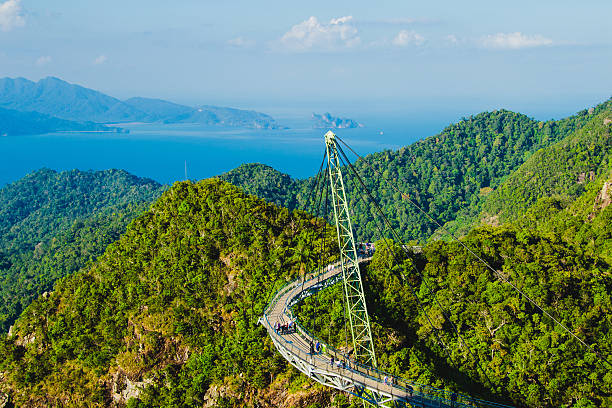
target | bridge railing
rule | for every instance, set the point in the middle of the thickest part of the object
(408, 387)
(384, 379)
(293, 283)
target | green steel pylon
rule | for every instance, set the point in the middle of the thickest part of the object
(353, 287)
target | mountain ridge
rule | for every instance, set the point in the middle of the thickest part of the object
(56, 97)
(15, 123)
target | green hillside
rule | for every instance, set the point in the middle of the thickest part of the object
(173, 304)
(448, 175)
(172, 307)
(561, 171)
(517, 355)
(52, 224)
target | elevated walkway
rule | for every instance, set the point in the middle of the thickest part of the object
(375, 386)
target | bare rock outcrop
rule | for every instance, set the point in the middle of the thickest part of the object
(603, 199)
(122, 388)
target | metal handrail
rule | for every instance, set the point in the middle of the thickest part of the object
(408, 387)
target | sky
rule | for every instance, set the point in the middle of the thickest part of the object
(543, 58)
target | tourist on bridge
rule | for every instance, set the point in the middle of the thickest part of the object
(331, 362)
(312, 349)
(317, 347)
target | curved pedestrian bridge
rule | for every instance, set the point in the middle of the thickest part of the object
(375, 386)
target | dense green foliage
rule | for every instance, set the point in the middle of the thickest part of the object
(518, 354)
(174, 302)
(52, 224)
(263, 181)
(447, 175)
(560, 171)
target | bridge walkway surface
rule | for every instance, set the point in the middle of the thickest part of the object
(373, 385)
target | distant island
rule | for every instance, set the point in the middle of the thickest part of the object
(62, 100)
(13, 123)
(327, 121)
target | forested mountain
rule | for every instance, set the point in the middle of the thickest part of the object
(52, 224)
(172, 308)
(168, 315)
(515, 353)
(562, 171)
(13, 123)
(55, 97)
(173, 305)
(264, 181)
(447, 175)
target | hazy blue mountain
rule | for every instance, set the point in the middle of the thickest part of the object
(327, 121)
(158, 109)
(14, 122)
(55, 97)
(215, 115)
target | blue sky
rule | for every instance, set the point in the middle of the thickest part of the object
(544, 58)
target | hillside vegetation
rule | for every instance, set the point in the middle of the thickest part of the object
(52, 224)
(447, 175)
(173, 304)
(517, 354)
(561, 171)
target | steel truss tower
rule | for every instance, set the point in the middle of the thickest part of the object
(353, 287)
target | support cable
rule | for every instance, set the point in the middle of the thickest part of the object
(379, 209)
(496, 273)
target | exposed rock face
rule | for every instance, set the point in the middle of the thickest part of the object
(123, 388)
(607, 121)
(604, 198)
(4, 400)
(25, 340)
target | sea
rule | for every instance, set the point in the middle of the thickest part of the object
(169, 153)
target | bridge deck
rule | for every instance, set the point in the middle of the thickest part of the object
(371, 384)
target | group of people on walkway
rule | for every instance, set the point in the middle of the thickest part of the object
(285, 328)
(316, 348)
(338, 363)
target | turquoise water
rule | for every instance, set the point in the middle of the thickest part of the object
(160, 151)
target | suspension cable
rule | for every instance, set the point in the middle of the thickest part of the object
(386, 221)
(496, 273)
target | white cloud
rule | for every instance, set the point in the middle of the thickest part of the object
(405, 38)
(44, 60)
(514, 41)
(11, 15)
(313, 35)
(241, 42)
(100, 60)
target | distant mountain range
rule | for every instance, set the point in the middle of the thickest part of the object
(327, 121)
(14, 122)
(62, 100)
